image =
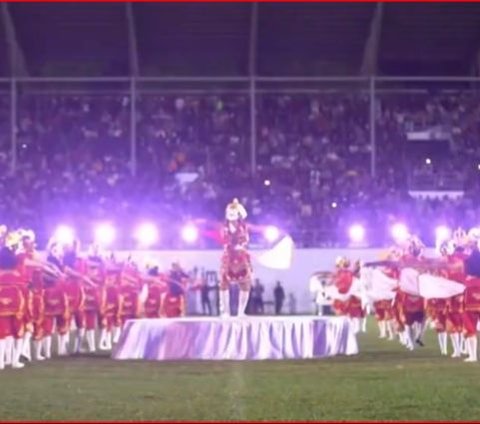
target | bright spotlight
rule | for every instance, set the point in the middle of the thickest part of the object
(428, 161)
(334, 205)
(356, 233)
(104, 234)
(64, 234)
(146, 234)
(442, 233)
(400, 232)
(190, 233)
(267, 183)
(271, 233)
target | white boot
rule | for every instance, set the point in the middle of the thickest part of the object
(108, 340)
(364, 325)
(408, 333)
(62, 340)
(471, 343)
(77, 344)
(382, 326)
(457, 351)
(91, 340)
(390, 332)
(37, 350)
(9, 350)
(103, 344)
(27, 351)
(463, 345)
(2, 353)
(224, 303)
(17, 353)
(117, 331)
(442, 342)
(243, 296)
(419, 330)
(47, 347)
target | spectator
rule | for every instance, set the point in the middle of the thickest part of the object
(279, 296)
(257, 297)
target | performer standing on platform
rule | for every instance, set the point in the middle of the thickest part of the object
(236, 263)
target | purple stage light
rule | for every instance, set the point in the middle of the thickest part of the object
(104, 234)
(271, 233)
(356, 233)
(442, 233)
(146, 234)
(64, 234)
(400, 232)
(190, 233)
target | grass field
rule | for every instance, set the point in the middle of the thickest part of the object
(384, 382)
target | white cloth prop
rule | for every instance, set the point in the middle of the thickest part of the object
(376, 285)
(435, 287)
(280, 256)
(355, 290)
(409, 281)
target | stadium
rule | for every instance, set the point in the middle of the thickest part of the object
(239, 211)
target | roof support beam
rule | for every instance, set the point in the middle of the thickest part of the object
(18, 65)
(370, 53)
(132, 41)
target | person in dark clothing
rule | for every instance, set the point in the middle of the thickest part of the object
(257, 297)
(205, 296)
(279, 296)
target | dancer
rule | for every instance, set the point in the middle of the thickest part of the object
(236, 263)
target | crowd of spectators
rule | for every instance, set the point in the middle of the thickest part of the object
(193, 155)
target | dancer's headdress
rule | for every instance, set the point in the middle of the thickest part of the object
(235, 211)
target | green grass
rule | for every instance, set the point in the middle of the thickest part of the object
(383, 382)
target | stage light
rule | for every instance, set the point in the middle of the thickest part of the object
(428, 161)
(146, 234)
(267, 183)
(190, 233)
(64, 234)
(271, 233)
(442, 233)
(356, 233)
(334, 205)
(104, 234)
(400, 232)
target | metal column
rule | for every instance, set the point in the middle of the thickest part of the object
(13, 125)
(373, 141)
(133, 126)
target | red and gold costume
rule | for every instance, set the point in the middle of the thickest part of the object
(157, 289)
(236, 265)
(109, 315)
(95, 296)
(129, 294)
(12, 305)
(236, 262)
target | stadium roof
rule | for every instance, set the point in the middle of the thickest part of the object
(278, 39)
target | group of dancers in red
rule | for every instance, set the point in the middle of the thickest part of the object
(85, 298)
(406, 316)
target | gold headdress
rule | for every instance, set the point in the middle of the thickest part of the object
(342, 262)
(235, 210)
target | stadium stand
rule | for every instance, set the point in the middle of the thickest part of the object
(74, 160)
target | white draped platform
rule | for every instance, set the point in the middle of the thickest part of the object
(248, 338)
